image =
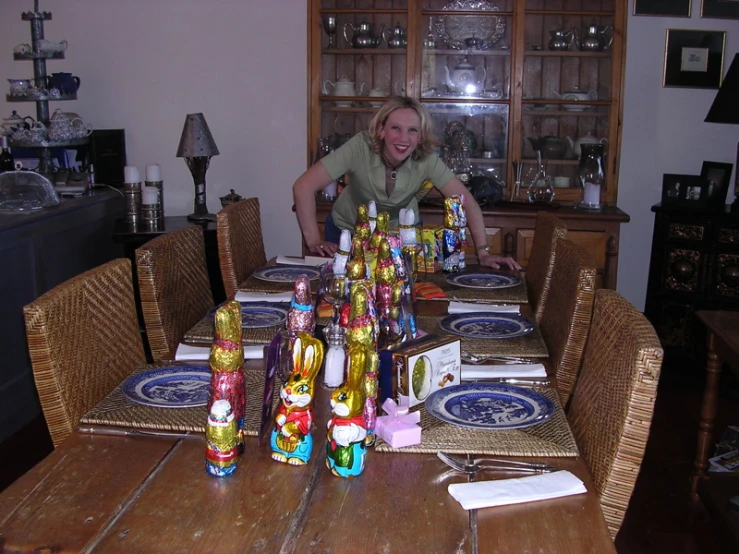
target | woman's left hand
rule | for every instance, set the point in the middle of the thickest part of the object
(490, 260)
(324, 248)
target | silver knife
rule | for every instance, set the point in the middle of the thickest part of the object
(512, 381)
(135, 433)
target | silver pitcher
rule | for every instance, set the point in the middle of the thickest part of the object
(594, 38)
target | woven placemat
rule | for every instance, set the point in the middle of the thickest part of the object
(119, 411)
(202, 333)
(509, 295)
(531, 345)
(550, 438)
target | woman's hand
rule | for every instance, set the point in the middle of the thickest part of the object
(489, 260)
(323, 248)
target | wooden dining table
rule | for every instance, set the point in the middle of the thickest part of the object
(107, 493)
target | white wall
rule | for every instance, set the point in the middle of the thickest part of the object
(663, 132)
(145, 64)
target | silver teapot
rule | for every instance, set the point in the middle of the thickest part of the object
(363, 35)
(560, 39)
(395, 37)
(593, 38)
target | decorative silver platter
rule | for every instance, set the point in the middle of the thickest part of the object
(455, 29)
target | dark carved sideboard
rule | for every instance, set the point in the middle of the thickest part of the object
(694, 266)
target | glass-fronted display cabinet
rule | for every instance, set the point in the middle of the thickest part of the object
(502, 80)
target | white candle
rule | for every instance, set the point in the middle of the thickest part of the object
(149, 195)
(153, 173)
(592, 194)
(330, 190)
(131, 174)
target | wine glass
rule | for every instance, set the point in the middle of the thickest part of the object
(329, 25)
(333, 291)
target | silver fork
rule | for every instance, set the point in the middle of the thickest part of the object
(462, 465)
(472, 359)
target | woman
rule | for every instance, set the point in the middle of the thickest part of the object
(387, 164)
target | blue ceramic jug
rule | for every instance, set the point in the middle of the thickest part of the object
(66, 83)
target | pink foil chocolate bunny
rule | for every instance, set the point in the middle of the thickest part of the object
(300, 316)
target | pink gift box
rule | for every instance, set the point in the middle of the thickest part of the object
(398, 428)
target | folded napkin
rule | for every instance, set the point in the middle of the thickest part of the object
(466, 307)
(242, 296)
(314, 261)
(484, 494)
(185, 352)
(508, 370)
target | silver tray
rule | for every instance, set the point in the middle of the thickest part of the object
(454, 29)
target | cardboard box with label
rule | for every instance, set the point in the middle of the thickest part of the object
(424, 368)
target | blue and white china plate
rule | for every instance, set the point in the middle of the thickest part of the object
(255, 315)
(286, 273)
(484, 281)
(489, 406)
(184, 386)
(487, 325)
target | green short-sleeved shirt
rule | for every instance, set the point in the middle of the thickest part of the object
(367, 180)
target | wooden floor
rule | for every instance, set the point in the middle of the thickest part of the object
(660, 518)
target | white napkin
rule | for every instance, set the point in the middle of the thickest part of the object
(263, 296)
(467, 307)
(483, 494)
(185, 352)
(314, 261)
(470, 371)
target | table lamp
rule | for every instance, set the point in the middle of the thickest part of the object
(197, 147)
(725, 109)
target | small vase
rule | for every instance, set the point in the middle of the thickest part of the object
(591, 175)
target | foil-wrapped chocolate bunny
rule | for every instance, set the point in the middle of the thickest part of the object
(291, 440)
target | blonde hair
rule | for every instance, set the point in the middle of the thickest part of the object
(428, 142)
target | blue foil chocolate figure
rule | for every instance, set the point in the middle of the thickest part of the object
(346, 449)
(291, 440)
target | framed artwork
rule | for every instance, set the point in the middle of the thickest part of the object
(673, 8)
(686, 191)
(721, 9)
(716, 175)
(694, 59)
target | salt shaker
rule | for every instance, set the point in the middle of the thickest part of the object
(333, 371)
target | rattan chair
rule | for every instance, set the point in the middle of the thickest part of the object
(565, 320)
(240, 243)
(547, 229)
(84, 340)
(174, 287)
(613, 402)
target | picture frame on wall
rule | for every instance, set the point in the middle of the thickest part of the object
(671, 8)
(694, 59)
(686, 191)
(717, 177)
(720, 9)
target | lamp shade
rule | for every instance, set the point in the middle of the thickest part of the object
(725, 107)
(196, 140)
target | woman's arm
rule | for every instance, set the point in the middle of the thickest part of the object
(476, 224)
(304, 196)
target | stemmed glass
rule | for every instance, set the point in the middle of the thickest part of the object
(329, 25)
(333, 290)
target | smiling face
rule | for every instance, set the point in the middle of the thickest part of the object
(400, 135)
